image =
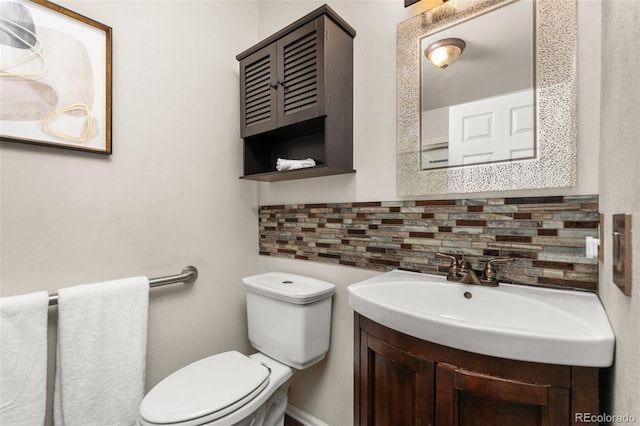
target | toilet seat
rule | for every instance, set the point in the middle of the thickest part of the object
(204, 391)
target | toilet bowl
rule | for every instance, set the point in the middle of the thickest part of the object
(247, 389)
(288, 320)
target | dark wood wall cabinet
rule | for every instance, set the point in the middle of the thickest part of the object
(296, 98)
(402, 380)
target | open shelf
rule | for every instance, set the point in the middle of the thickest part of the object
(296, 142)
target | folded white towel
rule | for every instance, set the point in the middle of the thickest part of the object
(101, 353)
(23, 359)
(284, 164)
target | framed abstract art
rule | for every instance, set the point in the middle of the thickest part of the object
(55, 77)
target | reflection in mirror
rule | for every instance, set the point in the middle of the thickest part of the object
(551, 161)
(480, 109)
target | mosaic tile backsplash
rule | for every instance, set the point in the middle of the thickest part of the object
(545, 236)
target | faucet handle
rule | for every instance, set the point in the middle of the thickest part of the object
(455, 265)
(465, 265)
(489, 272)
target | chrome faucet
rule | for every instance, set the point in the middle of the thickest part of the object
(462, 272)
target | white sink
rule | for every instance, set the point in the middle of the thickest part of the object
(510, 321)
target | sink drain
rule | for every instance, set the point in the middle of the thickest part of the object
(467, 295)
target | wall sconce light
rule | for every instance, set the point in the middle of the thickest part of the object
(443, 53)
(428, 4)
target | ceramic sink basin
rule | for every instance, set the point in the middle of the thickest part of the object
(510, 321)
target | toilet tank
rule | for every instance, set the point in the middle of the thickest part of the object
(289, 317)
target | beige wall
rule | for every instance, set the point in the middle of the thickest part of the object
(374, 149)
(168, 197)
(619, 179)
(325, 390)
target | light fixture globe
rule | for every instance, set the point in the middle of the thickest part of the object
(443, 53)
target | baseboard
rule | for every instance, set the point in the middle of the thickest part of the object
(303, 417)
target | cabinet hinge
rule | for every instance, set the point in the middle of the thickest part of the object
(326, 33)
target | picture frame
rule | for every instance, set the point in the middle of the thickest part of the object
(55, 77)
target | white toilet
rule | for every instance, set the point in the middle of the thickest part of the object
(289, 318)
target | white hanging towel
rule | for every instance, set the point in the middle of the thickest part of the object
(101, 353)
(283, 164)
(23, 359)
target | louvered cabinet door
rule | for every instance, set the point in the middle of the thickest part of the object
(301, 74)
(258, 87)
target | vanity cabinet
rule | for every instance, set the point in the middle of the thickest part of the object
(296, 98)
(400, 379)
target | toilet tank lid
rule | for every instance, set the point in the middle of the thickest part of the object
(288, 287)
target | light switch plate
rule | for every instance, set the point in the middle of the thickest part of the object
(622, 252)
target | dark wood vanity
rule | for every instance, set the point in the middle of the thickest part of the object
(402, 380)
(296, 98)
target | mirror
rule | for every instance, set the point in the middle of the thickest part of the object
(480, 109)
(437, 115)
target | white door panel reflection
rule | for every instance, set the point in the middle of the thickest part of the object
(495, 129)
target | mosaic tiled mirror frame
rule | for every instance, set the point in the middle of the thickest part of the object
(556, 105)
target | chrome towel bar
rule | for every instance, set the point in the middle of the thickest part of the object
(188, 275)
